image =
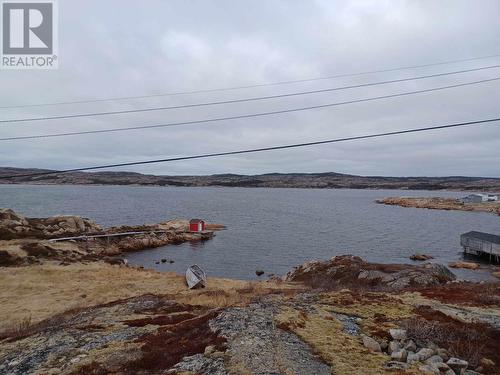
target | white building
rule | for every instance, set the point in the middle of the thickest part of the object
(480, 198)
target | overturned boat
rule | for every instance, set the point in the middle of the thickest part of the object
(195, 277)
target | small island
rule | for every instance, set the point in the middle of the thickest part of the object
(439, 203)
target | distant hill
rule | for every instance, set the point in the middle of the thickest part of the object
(329, 180)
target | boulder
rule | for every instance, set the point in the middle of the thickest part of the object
(410, 346)
(421, 257)
(352, 271)
(394, 346)
(457, 365)
(371, 344)
(425, 353)
(413, 357)
(428, 369)
(395, 365)
(398, 334)
(465, 265)
(434, 359)
(399, 355)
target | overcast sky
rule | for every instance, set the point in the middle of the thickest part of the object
(129, 48)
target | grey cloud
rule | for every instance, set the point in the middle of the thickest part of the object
(117, 48)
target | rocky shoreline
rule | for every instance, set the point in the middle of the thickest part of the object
(66, 310)
(439, 203)
(27, 240)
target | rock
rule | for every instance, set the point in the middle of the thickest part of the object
(457, 365)
(428, 369)
(496, 274)
(209, 350)
(352, 270)
(259, 272)
(443, 353)
(383, 344)
(471, 372)
(394, 346)
(443, 368)
(466, 265)
(399, 355)
(371, 344)
(410, 346)
(434, 359)
(398, 334)
(425, 353)
(421, 257)
(412, 358)
(218, 354)
(395, 365)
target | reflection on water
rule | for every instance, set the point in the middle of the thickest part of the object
(269, 229)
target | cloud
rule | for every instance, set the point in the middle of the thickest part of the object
(117, 48)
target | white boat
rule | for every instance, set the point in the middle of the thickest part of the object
(195, 277)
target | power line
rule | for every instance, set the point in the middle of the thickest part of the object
(251, 86)
(254, 150)
(252, 115)
(164, 108)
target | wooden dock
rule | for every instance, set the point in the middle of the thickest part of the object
(481, 244)
(105, 235)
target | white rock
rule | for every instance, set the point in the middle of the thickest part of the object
(395, 365)
(394, 346)
(434, 359)
(398, 334)
(427, 369)
(425, 353)
(371, 344)
(411, 346)
(457, 364)
(400, 355)
(413, 357)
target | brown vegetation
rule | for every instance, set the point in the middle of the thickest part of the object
(466, 293)
(469, 341)
(166, 347)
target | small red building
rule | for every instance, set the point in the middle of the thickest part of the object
(196, 225)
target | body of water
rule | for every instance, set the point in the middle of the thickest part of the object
(268, 229)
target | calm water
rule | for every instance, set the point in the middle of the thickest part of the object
(268, 229)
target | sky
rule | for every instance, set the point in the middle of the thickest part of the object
(130, 48)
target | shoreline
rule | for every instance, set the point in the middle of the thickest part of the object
(65, 313)
(451, 190)
(439, 203)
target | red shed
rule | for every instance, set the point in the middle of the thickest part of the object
(196, 225)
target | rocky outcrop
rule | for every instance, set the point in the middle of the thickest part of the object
(23, 241)
(352, 271)
(15, 226)
(466, 265)
(439, 203)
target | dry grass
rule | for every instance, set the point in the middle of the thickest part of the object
(45, 290)
(379, 311)
(344, 353)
